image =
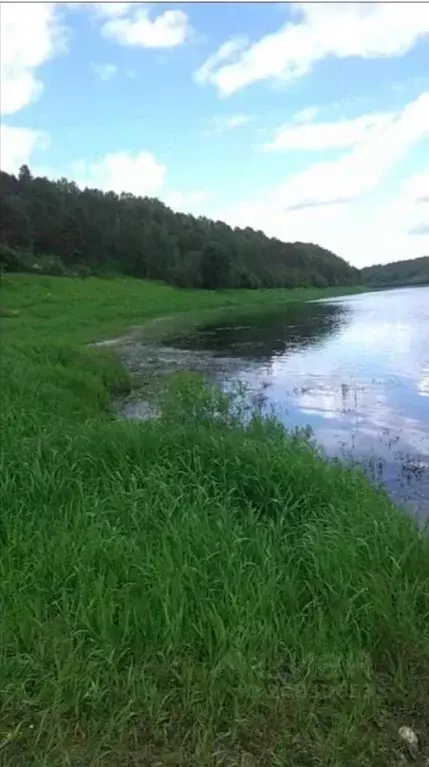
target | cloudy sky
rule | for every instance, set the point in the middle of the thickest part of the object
(308, 121)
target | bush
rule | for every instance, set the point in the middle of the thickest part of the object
(51, 264)
(13, 260)
(108, 270)
(9, 258)
(81, 270)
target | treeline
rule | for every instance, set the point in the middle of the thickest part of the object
(55, 227)
(412, 272)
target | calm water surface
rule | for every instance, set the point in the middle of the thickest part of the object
(355, 369)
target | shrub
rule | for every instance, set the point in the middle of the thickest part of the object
(81, 270)
(13, 260)
(51, 264)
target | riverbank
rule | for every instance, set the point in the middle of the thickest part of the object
(192, 591)
(93, 309)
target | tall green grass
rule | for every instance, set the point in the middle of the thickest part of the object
(197, 591)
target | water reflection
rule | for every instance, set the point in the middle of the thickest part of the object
(355, 369)
(270, 333)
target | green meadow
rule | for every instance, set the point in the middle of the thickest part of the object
(203, 590)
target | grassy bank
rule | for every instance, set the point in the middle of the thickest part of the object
(195, 591)
(80, 311)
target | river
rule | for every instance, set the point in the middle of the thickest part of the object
(355, 369)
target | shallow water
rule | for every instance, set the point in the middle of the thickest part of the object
(355, 369)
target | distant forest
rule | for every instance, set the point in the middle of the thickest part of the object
(412, 272)
(55, 227)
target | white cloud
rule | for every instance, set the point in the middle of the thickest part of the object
(167, 30)
(306, 115)
(31, 34)
(329, 135)
(226, 50)
(139, 174)
(186, 202)
(17, 145)
(417, 186)
(223, 123)
(342, 30)
(362, 169)
(410, 208)
(100, 9)
(314, 204)
(111, 10)
(362, 234)
(104, 71)
(131, 24)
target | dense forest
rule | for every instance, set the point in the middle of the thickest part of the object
(55, 227)
(412, 272)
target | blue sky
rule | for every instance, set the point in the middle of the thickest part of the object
(308, 121)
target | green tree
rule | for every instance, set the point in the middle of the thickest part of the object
(143, 237)
(215, 266)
